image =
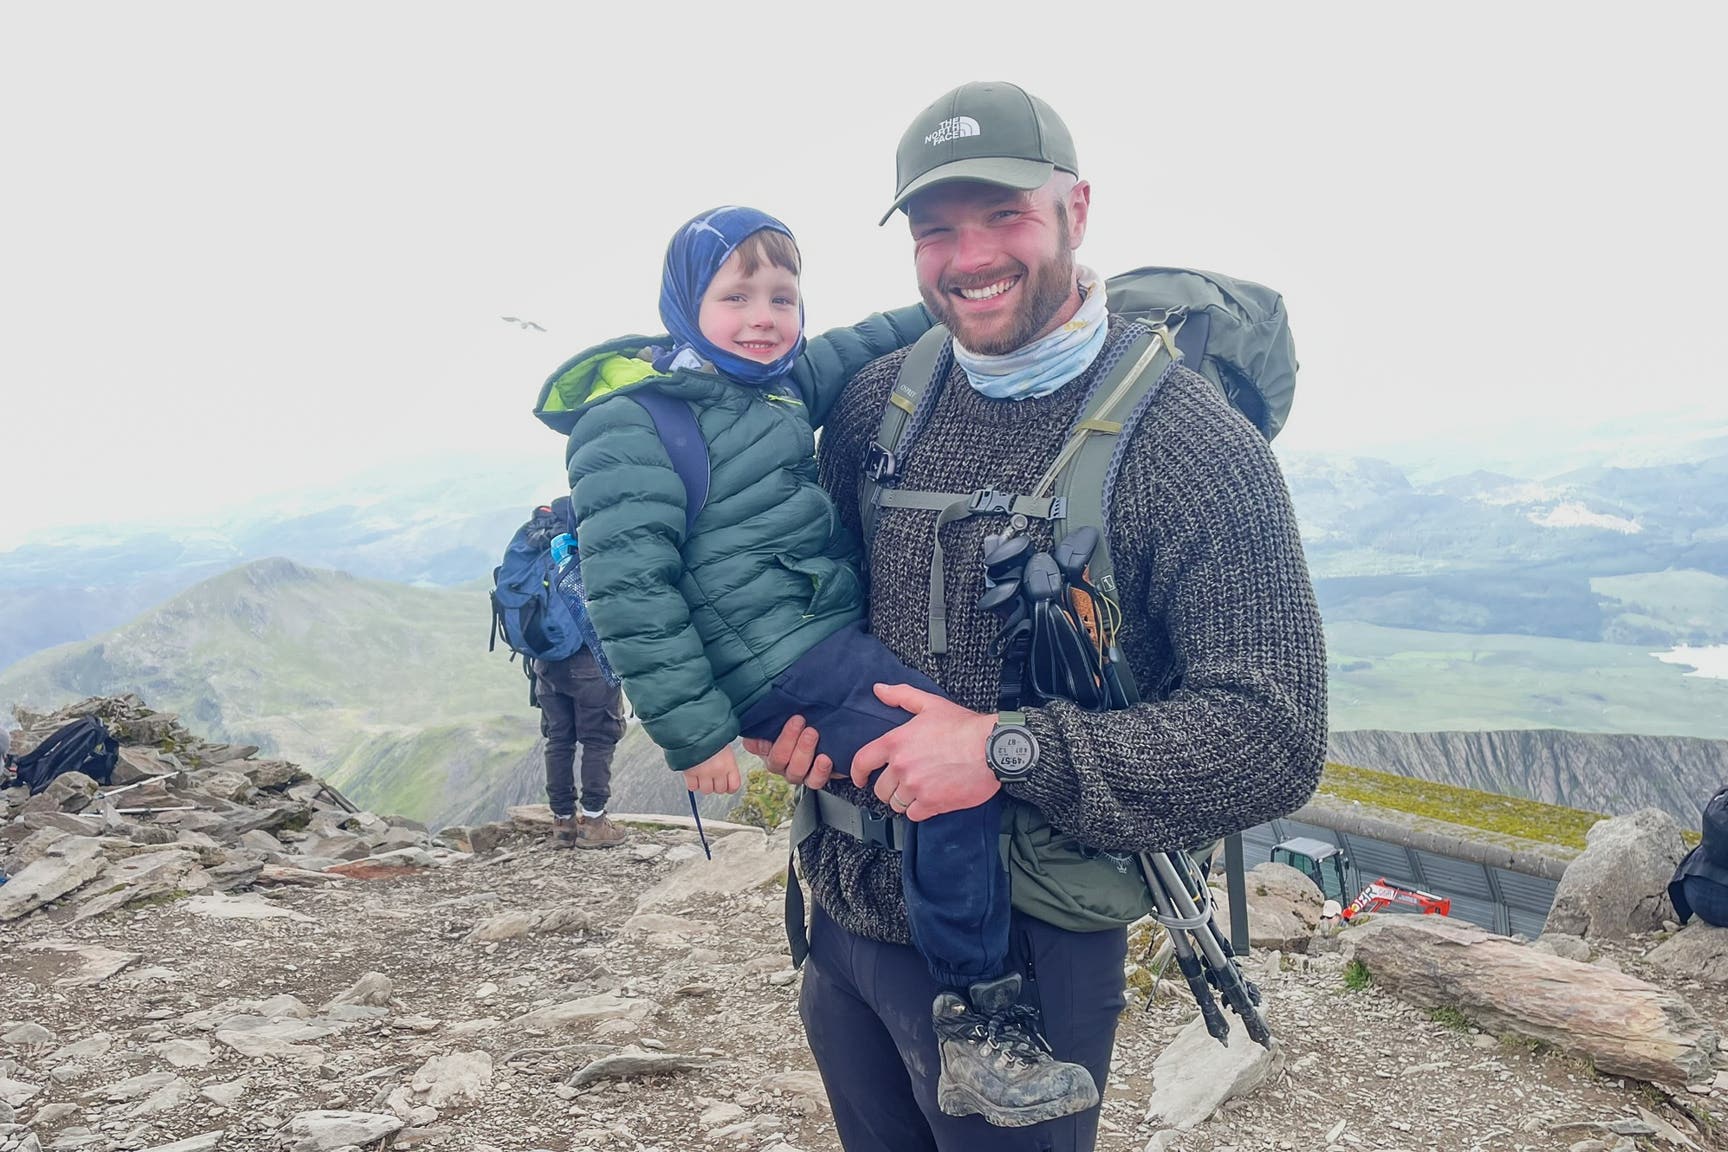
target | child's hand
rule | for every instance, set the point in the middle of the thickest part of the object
(714, 776)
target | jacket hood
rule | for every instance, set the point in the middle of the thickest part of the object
(590, 376)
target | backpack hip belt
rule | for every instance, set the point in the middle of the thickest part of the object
(818, 806)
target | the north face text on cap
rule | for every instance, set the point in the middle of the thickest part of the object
(953, 128)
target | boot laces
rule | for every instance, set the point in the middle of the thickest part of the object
(1012, 1031)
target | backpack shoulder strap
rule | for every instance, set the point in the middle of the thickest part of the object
(927, 356)
(1083, 473)
(676, 426)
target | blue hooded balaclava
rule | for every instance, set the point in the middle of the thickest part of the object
(696, 253)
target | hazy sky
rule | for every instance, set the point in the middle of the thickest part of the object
(250, 247)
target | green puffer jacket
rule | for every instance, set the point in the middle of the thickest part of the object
(698, 626)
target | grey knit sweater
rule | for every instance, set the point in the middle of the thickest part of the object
(1221, 628)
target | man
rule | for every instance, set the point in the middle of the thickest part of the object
(579, 705)
(1221, 631)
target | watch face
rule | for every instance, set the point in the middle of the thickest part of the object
(1012, 751)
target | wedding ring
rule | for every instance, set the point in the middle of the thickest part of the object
(898, 804)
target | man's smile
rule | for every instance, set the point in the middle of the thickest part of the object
(989, 291)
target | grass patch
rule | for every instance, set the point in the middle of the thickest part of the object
(1488, 811)
(1356, 976)
(1451, 1018)
(767, 802)
(1526, 1044)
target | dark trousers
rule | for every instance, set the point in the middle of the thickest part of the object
(955, 883)
(866, 1011)
(577, 706)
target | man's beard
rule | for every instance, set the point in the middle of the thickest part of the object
(1043, 292)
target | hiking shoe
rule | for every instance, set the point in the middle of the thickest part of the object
(598, 832)
(563, 831)
(995, 1065)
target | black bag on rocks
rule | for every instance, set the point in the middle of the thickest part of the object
(84, 746)
(1700, 884)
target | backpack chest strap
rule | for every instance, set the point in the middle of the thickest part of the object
(952, 506)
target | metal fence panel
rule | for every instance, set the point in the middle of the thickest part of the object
(1376, 858)
(1449, 876)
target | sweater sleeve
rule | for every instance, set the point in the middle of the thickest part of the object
(629, 509)
(1236, 736)
(831, 359)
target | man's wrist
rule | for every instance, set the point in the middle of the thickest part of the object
(1011, 750)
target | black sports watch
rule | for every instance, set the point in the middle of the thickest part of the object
(1012, 750)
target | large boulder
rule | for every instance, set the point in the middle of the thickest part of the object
(1697, 952)
(1283, 907)
(1619, 886)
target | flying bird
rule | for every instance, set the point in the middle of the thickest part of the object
(522, 323)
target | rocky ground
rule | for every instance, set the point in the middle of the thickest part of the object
(638, 999)
(224, 1016)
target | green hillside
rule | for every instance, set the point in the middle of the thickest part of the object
(389, 690)
(1486, 811)
(386, 688)
(1405, 680)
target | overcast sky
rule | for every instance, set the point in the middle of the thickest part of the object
(252, 247)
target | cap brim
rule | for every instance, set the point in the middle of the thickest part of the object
(1022, 175)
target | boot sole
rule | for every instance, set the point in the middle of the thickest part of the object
(958, 1100)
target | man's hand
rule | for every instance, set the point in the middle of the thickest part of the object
(933, 763)
(793, 755)
(716, 775)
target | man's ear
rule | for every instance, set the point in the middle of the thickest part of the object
(1079, 206)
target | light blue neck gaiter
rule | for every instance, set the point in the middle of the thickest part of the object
(1046, 364)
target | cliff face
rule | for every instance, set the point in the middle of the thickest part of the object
(1603, 773)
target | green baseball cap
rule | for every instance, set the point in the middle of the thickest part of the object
(990, 131)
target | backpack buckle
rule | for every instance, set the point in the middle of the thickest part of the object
(991, 500)
(874, 829)
(880, 465)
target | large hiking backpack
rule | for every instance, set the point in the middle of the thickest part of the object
(84, 745)
(528, 611)
(1234, 333)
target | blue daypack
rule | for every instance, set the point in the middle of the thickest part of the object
(529, 612)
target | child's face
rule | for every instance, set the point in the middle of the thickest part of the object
(754, 316)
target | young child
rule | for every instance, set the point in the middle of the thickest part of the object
(756, 612)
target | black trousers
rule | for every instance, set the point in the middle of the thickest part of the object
(866, 1010)
(577, 706)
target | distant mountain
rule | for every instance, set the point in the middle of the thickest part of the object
(385, 689)
(1628, 556)
(435, 525)
(343, 675)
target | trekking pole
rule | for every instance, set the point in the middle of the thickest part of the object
(1187, 960)
(1239, 993)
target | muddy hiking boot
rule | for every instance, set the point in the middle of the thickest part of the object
(598, 832)
(996, 1065)
(563, 831)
